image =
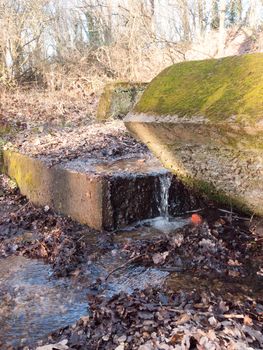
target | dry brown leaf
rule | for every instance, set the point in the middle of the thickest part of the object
(176, 338)
(248, 321)
(183, 319)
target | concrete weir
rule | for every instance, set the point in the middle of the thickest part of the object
(204, 121)
(102, 195)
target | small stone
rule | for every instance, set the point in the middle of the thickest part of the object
(147, 346)
(122, 339)
(14, 247)
(164, 346)
(106, 337)
(120, 347)
(213, 322)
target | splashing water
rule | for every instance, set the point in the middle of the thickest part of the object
(165, 184)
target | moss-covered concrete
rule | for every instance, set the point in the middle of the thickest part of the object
(204, 121)
(216, 89)
(5, 128)
(118, 99)
(70, 193)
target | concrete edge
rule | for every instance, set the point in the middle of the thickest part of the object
(77, 195)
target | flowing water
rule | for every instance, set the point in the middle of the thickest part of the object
(32, 304)
(122, 166)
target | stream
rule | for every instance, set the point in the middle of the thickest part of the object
(33, 303)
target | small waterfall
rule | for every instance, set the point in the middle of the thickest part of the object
(165, 184)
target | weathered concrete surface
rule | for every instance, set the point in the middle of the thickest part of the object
(118, 99)
(204, 121)
(103, 196)
(5, 129)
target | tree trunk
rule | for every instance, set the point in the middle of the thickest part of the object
(222, 32)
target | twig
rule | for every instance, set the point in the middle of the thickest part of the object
(235, 214)
(173, 269)
(191, 211)
(23, 207)
(233, 316)
(252, 217)
(16, 212)
(124, 265)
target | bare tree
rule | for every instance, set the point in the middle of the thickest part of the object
(70, 42)
(222, 17)
(22, 24)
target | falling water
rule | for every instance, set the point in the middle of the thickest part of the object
(165, 184)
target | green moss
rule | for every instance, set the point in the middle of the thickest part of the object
(118, 98)
(13, 165)
(216, 89)
(5, 129)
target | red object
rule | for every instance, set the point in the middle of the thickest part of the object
(196, 219)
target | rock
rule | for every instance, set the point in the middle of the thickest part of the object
(122, 339)
(163, 346)
(120, 347)
(118, 99)
(147, 346)
(59, 346)
(204, 121)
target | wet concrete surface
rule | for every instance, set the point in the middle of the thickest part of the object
(128, 166)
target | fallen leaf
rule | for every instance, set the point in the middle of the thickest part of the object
(248, 321)
(183, 319)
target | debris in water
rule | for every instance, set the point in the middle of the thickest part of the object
(196, 219)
